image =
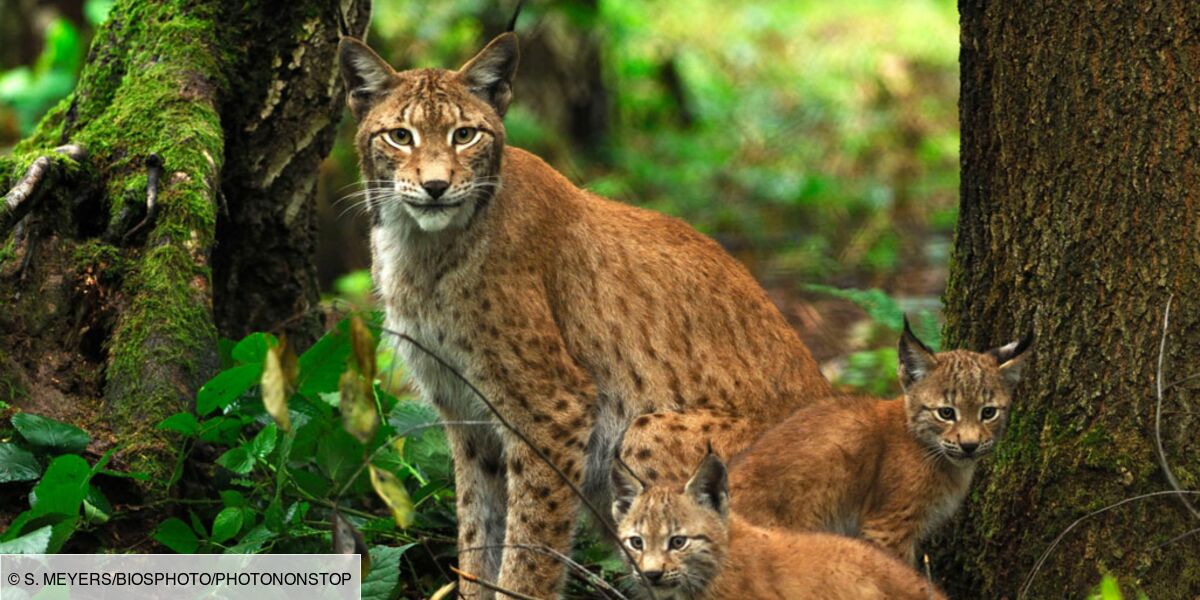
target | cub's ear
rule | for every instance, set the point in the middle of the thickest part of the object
(367, 76)
(916, 360)
(709, 485)
(626, 487)
(490, 74)
(1011, 358)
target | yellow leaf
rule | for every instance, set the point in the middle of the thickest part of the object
(359, 417)
(398, 446)
(275, 388)
(444, 591)
(392, 492)
(347, 540)
(362, 344)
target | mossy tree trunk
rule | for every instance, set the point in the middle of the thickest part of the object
(111, 311)
(1080, 219)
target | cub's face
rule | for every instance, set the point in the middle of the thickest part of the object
(430, 141)
(676, 538)
(958, 402)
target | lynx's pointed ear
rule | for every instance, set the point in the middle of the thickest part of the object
(1012, 358)
(367, 76)
(709, 485)
(490, 74)
(626, 487)
(916, 360)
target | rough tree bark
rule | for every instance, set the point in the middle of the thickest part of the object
(1080, 218)
(111, 310)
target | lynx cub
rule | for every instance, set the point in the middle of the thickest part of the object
(573, 314)
(890, 471)
(688, 546)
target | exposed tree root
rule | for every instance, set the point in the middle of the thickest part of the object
(24, 195)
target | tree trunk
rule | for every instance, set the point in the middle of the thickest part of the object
(111, 310)
(1080, 219)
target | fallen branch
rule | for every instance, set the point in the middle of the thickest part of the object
(491, 586)
(21, 198)
(1045, 555)
(1158, 383)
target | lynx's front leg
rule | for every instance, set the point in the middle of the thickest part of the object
(481, 499)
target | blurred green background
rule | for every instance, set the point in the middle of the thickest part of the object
(817, 141)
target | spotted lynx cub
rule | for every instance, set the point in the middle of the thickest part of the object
(574, 314)
(889, 471)
(688, 546)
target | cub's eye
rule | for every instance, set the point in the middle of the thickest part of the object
(946, 413)
(677, 542)
(988, 413)
(634, 542)
(465, 135)
(398, 137)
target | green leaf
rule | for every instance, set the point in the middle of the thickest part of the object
(411, 416)
(385, 572)
(239, 460)
(227, 386)
(393, 493)
(253, 348)
(18, 464)
(227, 524)
(252, 542)
(264, 442)
(50, 434)
(338, 455)
(183, 422)
(322, 365)
(96, 506)
(273, 517)
(34, 542)
(233, 498)
(63, 487)
(176, 535)
(1110, 589)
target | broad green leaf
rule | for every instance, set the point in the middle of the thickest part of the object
(227, 524)
(359, 416)
(411, 416)
(384, 577)
(176, 535)
(34, 542)
(63, 487)
(239, 460)
(226, 386)
(96, 506)
(390, 489)
(183, 422)
(232, 498)
(264, 442)
(253, 348)
(252, 542)
(338, 455)
(60, 532)
(18, 464)
(1110, 589)
(51, 435)
(275, 389)
(321, 365)
(314, 485)
(273, 516)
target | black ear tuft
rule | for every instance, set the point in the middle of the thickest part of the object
(915, 359)
(1011, 358)
(709, 485)
(490, 74)
(367, 76)
(626, 487)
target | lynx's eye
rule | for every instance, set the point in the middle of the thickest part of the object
(677, 542)
(634, 542)
(946, 413)
(988, 413)
(398, 138)
(465, 136)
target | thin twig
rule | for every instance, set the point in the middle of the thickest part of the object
(1158, 383)
(928, 576)
(566, 560)
(1042, 559)
(600, 517)
(154, 165)
(20, 199)
(491, 586)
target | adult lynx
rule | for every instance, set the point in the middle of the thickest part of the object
(890, 471)
(688, 546)
(572, 313)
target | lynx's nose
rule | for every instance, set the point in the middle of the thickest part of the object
(968, 448)
(435, 187)
(653, 576)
